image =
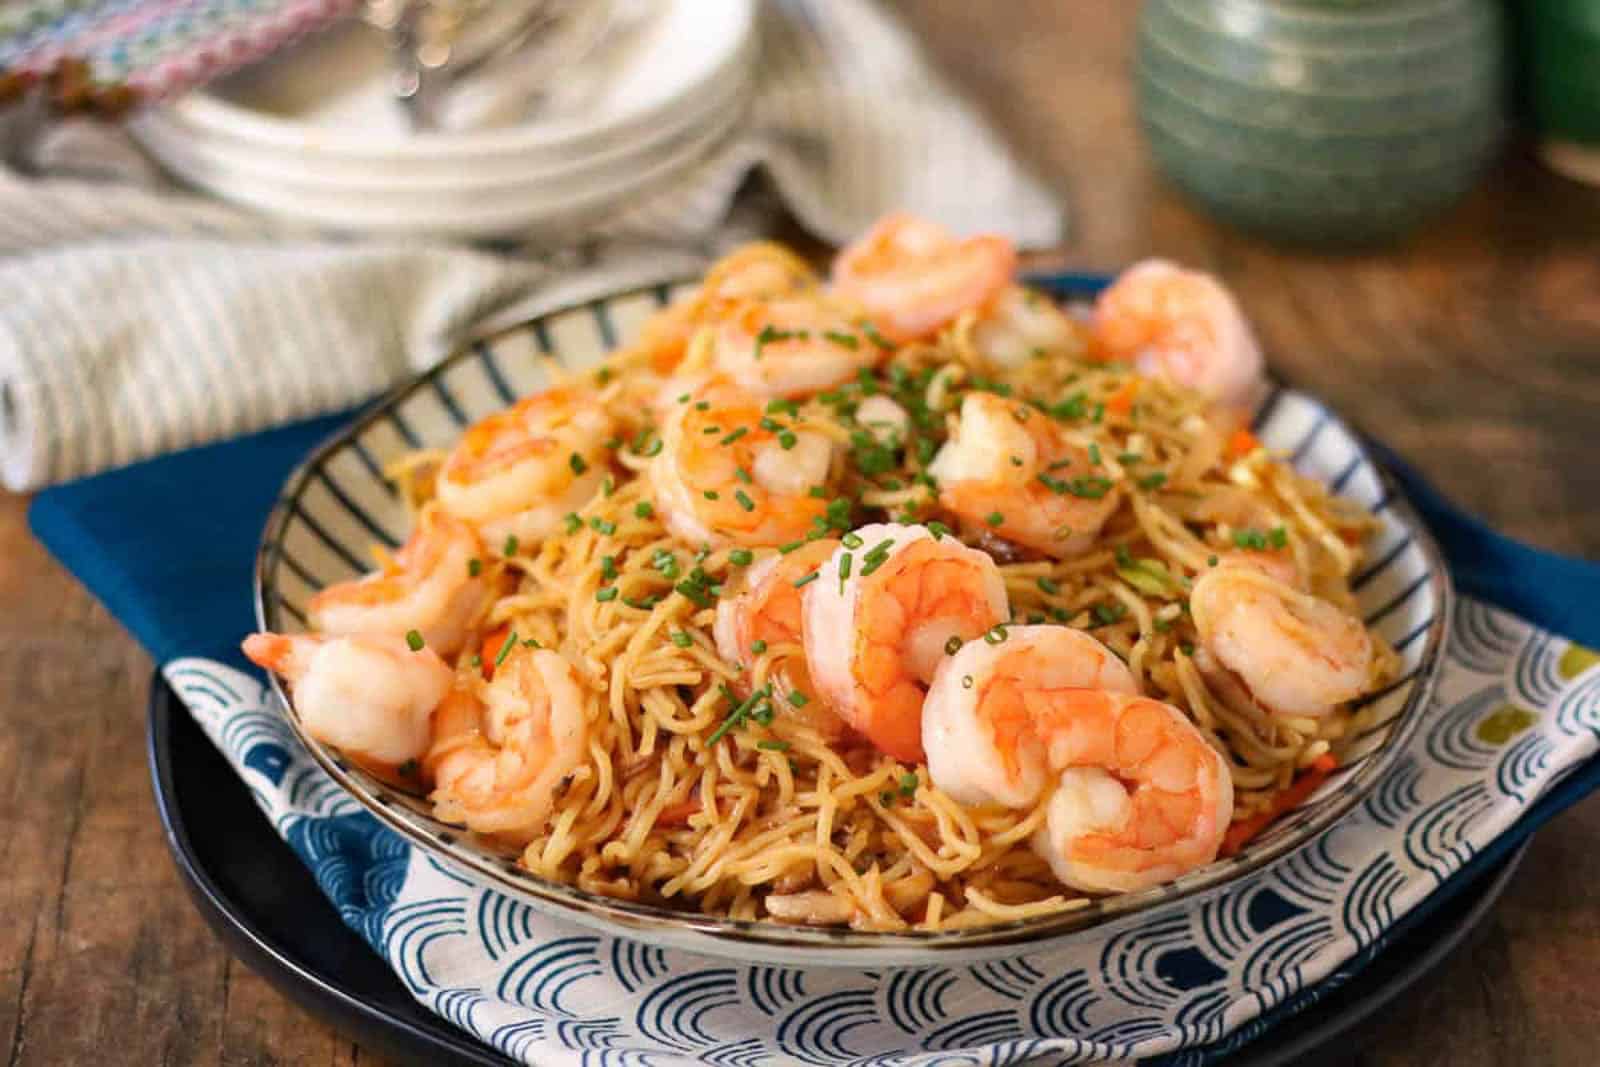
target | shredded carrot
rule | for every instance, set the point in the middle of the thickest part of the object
(493, 642)
(1121, 401)
(1245, 829)
(1242, 443)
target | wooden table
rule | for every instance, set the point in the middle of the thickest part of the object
(1473, 348)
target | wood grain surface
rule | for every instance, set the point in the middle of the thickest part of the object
(1473, 348)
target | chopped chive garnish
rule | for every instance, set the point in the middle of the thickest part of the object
(505, 649)
(851, 540)
(644, 509)
(781, 406)
(475, 662)
(1129, 457)
(798, 699)
(952, 646)
(773, 746)
(734, 435)
(606, 593)
(702, 405)
(874, 336)
(474, 567)
(938, 529)
(758, 646)
(1254, 539)
(532, 642)
(846, 340)
(510, 547)
(1049, 585)
(608, 567)
(641, 605)
(577, 463)
(787, 440)
(994, 518)
(742, 474)
(844, 569)
(603, 375)
(807, 580)
(1016, 461)
(744, 500)
(741, 557)
(996, 634)
(574, 524)
(414, 640)
(817, 492)
(1094, 454)
(1278, 537)
(605, 526)
(785, 549)
(1153, 480)
(1211, 561)
(908, 784)
(613, 443)
(886, 798)
(608, 485)
(711, 494)
(681, 639)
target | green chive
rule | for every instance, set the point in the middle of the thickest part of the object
(1278, 537)
(1049, 585)
(844, 568)
(1153, 480)
(574, 524)
(908, 784)
(741, 557)
(711, 494)
(851, 540)
(785, 549)
(886, 798)
(773, 746)
(644, 509)
(798, 699)
(576, 462)
(414, 640)
(1094, 454)
(938, 529)
(952, 646)
(734, 435)
(807, 580)
(606, 593)
(787, 440)
(505, 649)
(608, 567)
(474, 567)
(758, 646)
(847, 340)
(742, 474)
(510, 547)
(994, 518)
(681, 639)
(996, 634)
(744, 500)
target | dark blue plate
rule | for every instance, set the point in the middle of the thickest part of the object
(265, 906)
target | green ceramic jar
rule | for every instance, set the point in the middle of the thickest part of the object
(1323, 121)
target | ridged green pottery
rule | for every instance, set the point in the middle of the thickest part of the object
(1323, 121)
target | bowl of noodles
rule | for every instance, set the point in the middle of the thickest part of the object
(841, 625)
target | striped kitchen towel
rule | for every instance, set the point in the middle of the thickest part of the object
(137, 321)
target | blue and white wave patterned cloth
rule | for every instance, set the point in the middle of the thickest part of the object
(1515, 709)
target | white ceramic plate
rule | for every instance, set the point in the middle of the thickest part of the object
(330, 100)
(336, 504)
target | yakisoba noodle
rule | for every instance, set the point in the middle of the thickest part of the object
(692, 793)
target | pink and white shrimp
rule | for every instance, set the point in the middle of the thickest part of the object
(1135, 794)
(518, 472)
(885, 608)
(913, 277)
(1295, 653)
(791, 347)
(767, 611)
(430, 587)
(1010, 471)
(1019, 324)
(501, 748)
(722, 477)
(1182, 324)
(370, 697)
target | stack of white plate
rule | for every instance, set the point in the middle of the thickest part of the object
(314, 135)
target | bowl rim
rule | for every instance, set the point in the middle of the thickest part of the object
(461, 849)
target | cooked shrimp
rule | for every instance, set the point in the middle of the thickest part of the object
(1136, 795)
(755, 272)
(429, 587)
(368, 696)
(1019, 324)
(1278, 565)
(499, 753)
(721, 477)
(913, 277)
(519, 471)
(1295, 653)
(1183, 324)
(768, 609)
(884, 609)
(1012, 472)
(792, 347)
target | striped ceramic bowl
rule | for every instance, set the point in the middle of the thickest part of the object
(337, 504)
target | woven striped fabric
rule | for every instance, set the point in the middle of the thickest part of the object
(138, 321)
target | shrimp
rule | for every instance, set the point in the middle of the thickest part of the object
(1012, 472)
(1182, 324)
(1134, 794)
(769, 609)
(519, 471)
(1295, 653)
(884, 609)
(430, 587)
(913, 277)
(1019, 324)
(501, 749)
(368, 696)
(755, 272)
(792, 347)
(722, 477)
